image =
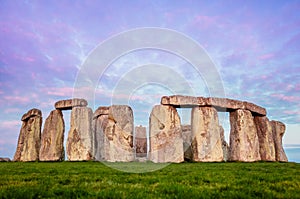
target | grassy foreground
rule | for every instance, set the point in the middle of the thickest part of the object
(185, 180)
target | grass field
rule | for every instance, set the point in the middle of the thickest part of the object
(185, 180)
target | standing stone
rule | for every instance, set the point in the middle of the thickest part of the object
(166, 144)
(225, 146)
(80, 138)
(244, 144)
(52, 144)
(30, 137)
(278, 129)
(206, 144)
(140, 141)
(187, 141)
(265, 138)
(100, 120)
(114, 134)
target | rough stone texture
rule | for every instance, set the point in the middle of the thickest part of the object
(187, 141)
(102, 110)
(166, 144)
(183, 101)
(52, 143)
(225, 146)
(114, 134)
(30, 137)
(265, 138)
(244, 144)
(80, 141)
(31, 113)
(206, 144)
(140, 141)
(4, 159)
(278, 129)
(221, 104)
(70, 103)
(99, 125)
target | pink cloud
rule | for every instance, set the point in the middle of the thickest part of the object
(204, 21)
(62, 92)
(286, 98)
(266, 56)
(11, 124)
(17, 99)
(12, 110)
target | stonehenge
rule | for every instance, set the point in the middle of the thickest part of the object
(52, 141)
(29, 138)
(166, 144)
(140, 141)
(113, 129)
(206, 135)
(109, 133)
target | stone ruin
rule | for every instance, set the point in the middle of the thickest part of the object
(108, 134)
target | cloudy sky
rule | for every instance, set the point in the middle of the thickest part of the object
(254, 48)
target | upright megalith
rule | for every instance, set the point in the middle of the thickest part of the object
(80, 144)
(100, 121)
(206, 144)
(278, 129)
(244, 144)
(166, 144)
(187, 142)
(30, 137)
(140, 141)
(52, 143)
(113, 127)
(265, 138)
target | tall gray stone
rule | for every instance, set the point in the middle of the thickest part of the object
(278, 129)
(52, 143)
(244, 144)
(30, 137)
(187, 142)
(113, 128)
(80, 143)
(206, 144)
(140, 141)
(265, 138)
(166, 144)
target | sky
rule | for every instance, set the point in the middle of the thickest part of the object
(44, 46)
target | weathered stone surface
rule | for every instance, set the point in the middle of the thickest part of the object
(183, 101)
(99, 125)
(187, 141)
(244, 144)
(30, 137)
(140, 141)
(70, 103)
(31, 113)
(278, 129)
(221, 104)
(114, 134)
(52, 143)
(265, 138)
(225, 146)
(4, 159)
(80, 143)
(102, 110)
(166, 144)
(206, 144)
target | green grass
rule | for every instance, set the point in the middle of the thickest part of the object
(186, 180)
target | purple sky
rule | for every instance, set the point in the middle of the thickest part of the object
(255, 47)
